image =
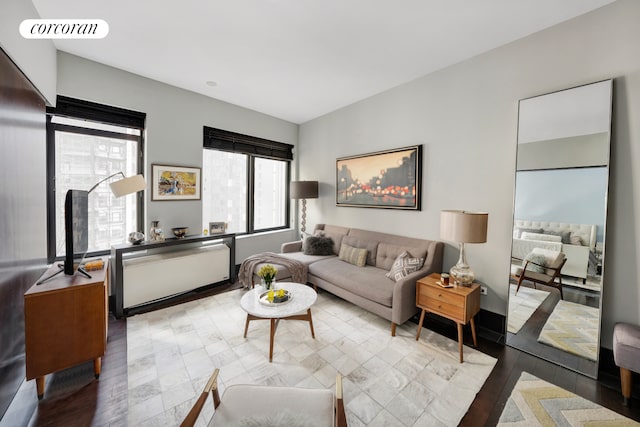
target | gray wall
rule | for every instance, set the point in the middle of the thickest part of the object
(174, 134)
(466, 117)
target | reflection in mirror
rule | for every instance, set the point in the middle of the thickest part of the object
(562, 174)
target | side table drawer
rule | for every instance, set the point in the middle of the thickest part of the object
(431, 293)
(450, 311)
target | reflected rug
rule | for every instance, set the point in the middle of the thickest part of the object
(387, 380)
(522, 305)
(573, 328)
(534, 402)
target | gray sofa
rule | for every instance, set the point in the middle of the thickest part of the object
(368, 286)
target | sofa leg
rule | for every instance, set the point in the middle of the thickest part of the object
(625, 379)
(393, 329)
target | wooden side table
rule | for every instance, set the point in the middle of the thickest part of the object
(65, 323)
(459, 303)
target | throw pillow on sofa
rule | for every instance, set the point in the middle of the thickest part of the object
(355, 256)
(404, 265)
(317, 245)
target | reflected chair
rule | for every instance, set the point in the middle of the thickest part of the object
(270, 405)
(550, 276)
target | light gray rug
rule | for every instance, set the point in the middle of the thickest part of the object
(391, 381)
(522, 305)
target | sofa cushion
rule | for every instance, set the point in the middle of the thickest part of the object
(388, 253)
(355, 256)
(541, 237)
(305, 259)
(319, 246)
(370, 245)
(404, 265)
(368, 282)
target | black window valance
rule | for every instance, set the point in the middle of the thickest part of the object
(86, 110)
(219, 139)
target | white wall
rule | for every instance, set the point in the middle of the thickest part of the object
(36, 58)
(174, 133)
(466, 117)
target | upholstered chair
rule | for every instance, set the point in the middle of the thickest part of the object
(269, 405)
(546, 272)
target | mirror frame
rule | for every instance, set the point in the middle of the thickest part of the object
(571, 361)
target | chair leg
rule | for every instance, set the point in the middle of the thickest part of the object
(560, 287)
(393, 329)
(625, 379)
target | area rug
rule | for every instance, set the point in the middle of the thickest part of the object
(573, 328)
(534, 402)
(387, 380)
(522, 305)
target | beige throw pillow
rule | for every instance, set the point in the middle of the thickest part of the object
(404, 265)
(355, 256)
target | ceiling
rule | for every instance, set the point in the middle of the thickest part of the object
(300, 59)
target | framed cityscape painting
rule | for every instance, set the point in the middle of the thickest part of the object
(175, 183)
(389, 179)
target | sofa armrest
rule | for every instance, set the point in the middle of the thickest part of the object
(291, 247)
(404, 291)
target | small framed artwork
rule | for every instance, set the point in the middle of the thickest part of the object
(389, 179)
(217, 227)
(175, 183)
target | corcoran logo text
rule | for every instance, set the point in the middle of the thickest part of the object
(64, 29)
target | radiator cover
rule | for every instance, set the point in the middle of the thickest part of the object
(153, 277)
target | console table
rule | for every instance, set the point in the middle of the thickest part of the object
(458, 303)
(66, 320)
(122, 252)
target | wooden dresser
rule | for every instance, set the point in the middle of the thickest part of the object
(65, 323)
(459, 303)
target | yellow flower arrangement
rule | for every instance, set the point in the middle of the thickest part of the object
(268, 273)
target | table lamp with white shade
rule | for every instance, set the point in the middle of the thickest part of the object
(463, 227)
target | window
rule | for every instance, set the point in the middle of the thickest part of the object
(245, 182)
(86, 143)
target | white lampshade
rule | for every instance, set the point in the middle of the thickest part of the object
(130, 185)
(463, 227)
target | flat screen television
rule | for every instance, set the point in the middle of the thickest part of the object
(76, 229)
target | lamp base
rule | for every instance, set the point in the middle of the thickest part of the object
(462, 275)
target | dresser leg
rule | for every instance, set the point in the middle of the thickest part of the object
(473, 332)
(40, 387)
(460, 337)
(97, 367)
(420, 325)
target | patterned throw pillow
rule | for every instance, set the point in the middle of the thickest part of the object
(539, 260)
(404, 265)
(355, 256)
(319, 246)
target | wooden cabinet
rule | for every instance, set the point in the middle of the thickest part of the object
(458, 303)
(65, 323)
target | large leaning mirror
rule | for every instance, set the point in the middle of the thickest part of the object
(560, 209)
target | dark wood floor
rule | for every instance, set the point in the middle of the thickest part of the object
(74, 398)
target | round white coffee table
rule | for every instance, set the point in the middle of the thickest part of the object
(303, 298)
